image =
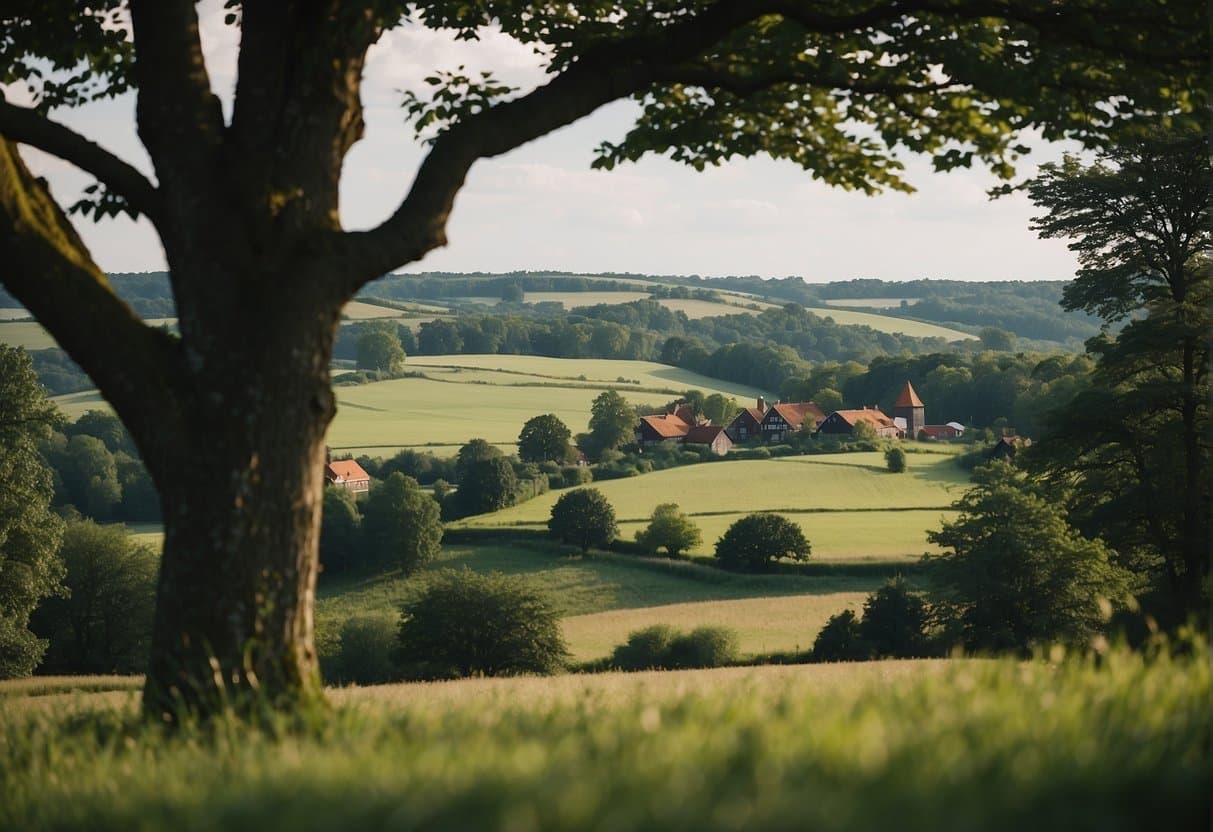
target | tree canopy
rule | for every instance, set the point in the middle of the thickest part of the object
(229, 414)
(584, 518)
(544, 438)
(756, 540)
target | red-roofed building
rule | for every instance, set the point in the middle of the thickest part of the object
(665, 427)
(844, 421)
(748, 423)
(347, 474)
(909, 407)
(714, 436)
(952, 430)
(784, 419)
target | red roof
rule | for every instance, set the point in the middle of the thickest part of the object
(345, 470)
(875, 417)
(667, 425)
(703, 434)
(940, 430)
(686, 413)
(908, 398)
(794, 413)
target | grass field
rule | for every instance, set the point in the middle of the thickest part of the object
(871, 303)
(359, 311)
(26, 334)
(849, 506)
(887, 323)
(694, 308)
(11, 314)
(996, 745)
(602, 598)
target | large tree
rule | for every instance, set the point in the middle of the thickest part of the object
(230, 415)
(30, 566)
(1135, 446)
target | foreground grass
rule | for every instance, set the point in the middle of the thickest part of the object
(907, 746)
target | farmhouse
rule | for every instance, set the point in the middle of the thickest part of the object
(714, 436)
(347, 474)
(664, 427)
(952, 430)
(909, 408)
(748, 423)
(845, 422)
(784, 419)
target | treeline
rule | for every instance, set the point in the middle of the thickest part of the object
(434, 286)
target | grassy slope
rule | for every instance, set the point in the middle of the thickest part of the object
(908, 746)
(886, 323)
(844, 502)
(604, 598)
(870, 303)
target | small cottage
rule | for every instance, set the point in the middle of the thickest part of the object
(845, 421)
(347, 474)
(748, 423)
(784, 419)
(714, 436)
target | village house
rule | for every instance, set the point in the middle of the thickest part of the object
(748, 423)
(664, 427)
(784, 419)
(909, 408)
(347, 474)
(845, 422)
(714, 436)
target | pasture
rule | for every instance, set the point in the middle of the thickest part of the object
(850, 508)
(26, 334)
(871, 303)
(694, 308)
(13, 313)
(991, 745)
(603, 597)
(887, 323)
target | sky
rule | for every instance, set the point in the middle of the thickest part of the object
(541, 207)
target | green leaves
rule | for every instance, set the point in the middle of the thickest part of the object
(453, 98)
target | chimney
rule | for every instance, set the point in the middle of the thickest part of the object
(762, 404)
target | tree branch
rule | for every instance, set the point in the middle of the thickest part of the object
(48, 269)
(27, 126)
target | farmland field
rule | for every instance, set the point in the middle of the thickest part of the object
(10, 313)
(887, 323)
(871, 303)
(694, 308)
(909, 745)
(359, 310)
(26, 334)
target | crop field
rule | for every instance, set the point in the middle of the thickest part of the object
(359, 311)
(12, 314)
(887, 323)
(991, 745)
(26, 334)
(694, 308)
(871, 303)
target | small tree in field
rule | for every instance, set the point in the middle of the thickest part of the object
(467, 624)
(895, 459)
(544, 438)
(671, 530)
(757, 539)
(380, 350)
(584, 518)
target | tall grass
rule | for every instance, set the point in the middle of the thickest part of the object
(978, 745)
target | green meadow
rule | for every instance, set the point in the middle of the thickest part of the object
(887, 323)
(603, 597)
(937, 745)
(870, 303)
(849, 506)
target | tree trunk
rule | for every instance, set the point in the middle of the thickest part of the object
(242, 502)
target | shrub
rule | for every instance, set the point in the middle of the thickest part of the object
(339, 531)
(756, 539)
(645, 649)
(703, 647)
(583, 517)
(467, 624)
(669, 529)
(365, 652)
(841, 640)
(401, 524)
(894, 622)
(661, 647)
(895, 459)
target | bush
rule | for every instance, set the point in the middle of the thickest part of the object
(645, 649)
(895, 459)
(365, 652)
(703, 647)
(661, 647)
(841, 640)
(756, 539)
(669, 529)
(584, 518)
(401, 524)
(895, 621)
(468, 624)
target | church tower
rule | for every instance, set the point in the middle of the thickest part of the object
(909, 407)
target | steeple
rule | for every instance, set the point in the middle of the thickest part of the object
(909, 407)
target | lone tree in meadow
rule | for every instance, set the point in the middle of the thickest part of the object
(756, 540)
(671, 530)
(230, 413)
(543, 439)
(463, 623)
(584, 518)
(380, 350)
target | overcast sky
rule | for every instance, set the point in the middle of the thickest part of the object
(541, 207)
